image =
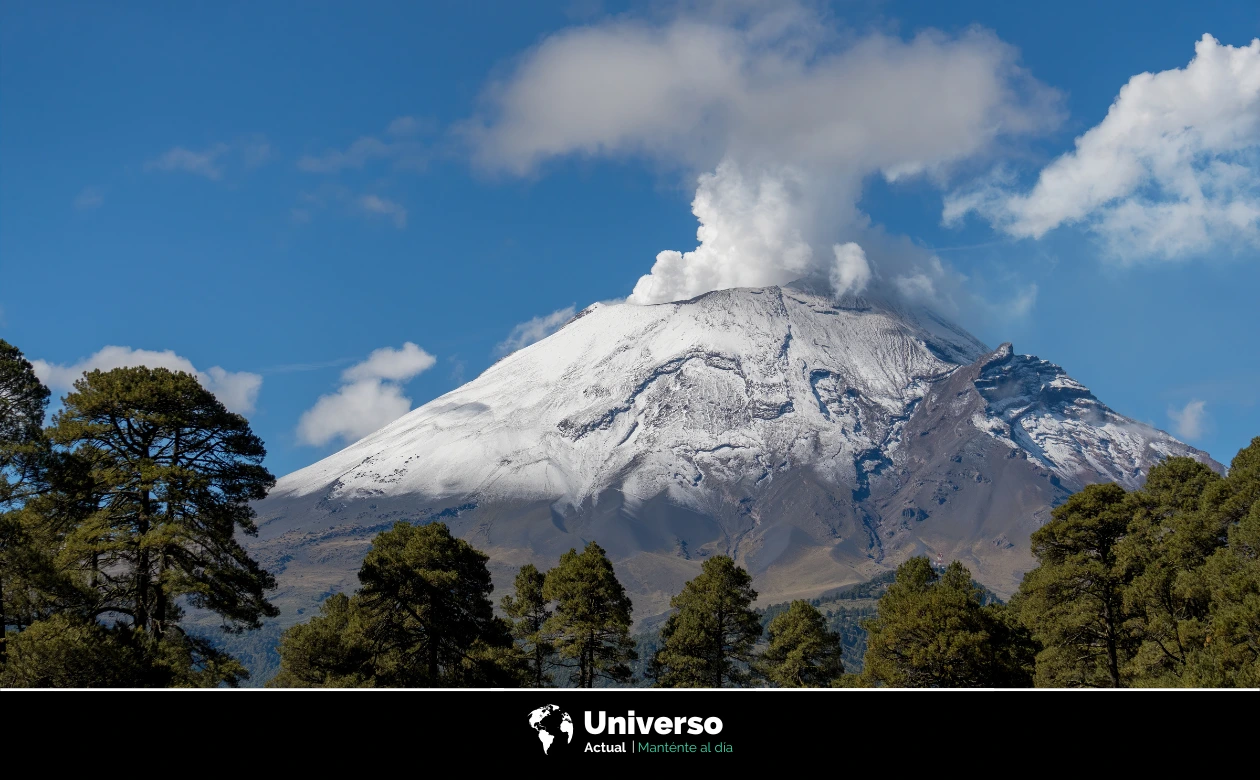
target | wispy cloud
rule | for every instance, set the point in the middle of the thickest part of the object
(400, 146)
(201, 163)
(289, 368)
(1191, 420)
(535, 329)
(255, 151)
(89, 198)
(212, 161)
(374, 204)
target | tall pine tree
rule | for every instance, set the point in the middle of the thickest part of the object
(932, 630)
(1232, 577)
(427, 615)
(529, 613)
(1167, 541)
(802, 652)
(171, 475)
(1074, 601)
(708, 641)
(592, 619)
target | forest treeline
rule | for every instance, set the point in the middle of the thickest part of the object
(125, 512)
(1155, 587)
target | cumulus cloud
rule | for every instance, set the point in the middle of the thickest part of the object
(1190, 421)
(781, 117)
(395, 365)
(370, 396)
(88, 198)
(1170, 172)
(374, 204)
(237, 390)
(401, 148)
(535, 329)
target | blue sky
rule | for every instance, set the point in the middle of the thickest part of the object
(232, 183)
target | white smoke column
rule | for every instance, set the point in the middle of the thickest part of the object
(851, 273)
(783, 116)
(749, 236)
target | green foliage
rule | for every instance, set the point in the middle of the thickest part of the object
(422, 619)
(1074, 600)
(69, 651)
(119, 515)
(1232, 576)
(329, 651)
(935, 631)
(172, 475)
(23, 400)
(591, 623)
(1167, 541)
(427, 614)
(1159, 587)
(708, 641)
(66, 651)
(802, 653)
(529, 612)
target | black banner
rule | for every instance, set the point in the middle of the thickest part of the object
(613, 727)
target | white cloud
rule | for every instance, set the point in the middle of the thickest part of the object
(238, 390)
(397, 365)
(203, 163)
(88, 198)
(404, 150)
(1172, 171)
(370, 397)
(789, 116)
(1190, 421)
(374, 204)
(352, 412)
(535, 329)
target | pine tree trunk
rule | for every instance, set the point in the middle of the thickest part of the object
(1113, 661)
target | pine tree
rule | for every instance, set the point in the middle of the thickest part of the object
(802, 652)
(23, 400)
(529, 612)
(1074, 601)
(932, 631)
(708, 641)
(32, 585)
(1167, 541)
(171, 476)
(1232, 576)
(427, 614)
(592, 619)
(329, 651)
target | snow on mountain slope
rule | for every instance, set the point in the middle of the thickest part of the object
(818, 442)
(1034, 405)
(736, 383)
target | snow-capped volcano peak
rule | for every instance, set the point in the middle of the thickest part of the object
(817, 441)
(739, 381)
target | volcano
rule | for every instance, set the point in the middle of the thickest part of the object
(818, 441)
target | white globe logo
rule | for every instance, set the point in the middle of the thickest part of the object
(549, 721)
